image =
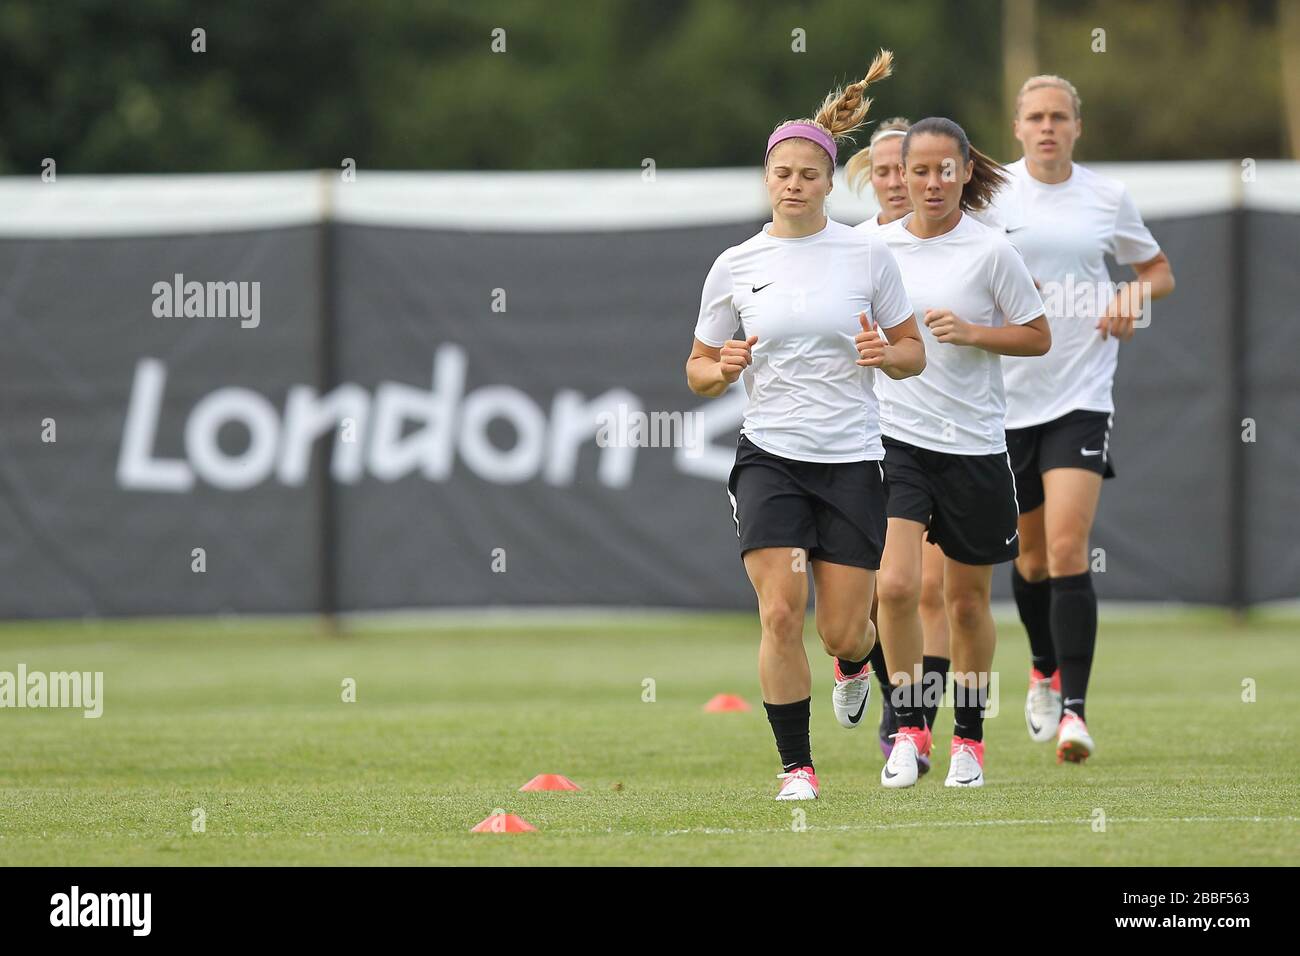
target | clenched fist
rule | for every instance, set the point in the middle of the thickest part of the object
(946, 327)
(736, 356)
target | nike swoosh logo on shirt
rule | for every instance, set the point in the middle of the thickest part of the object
(1012, 538)
(1014, 228)
(1084, 451)
(760, 288)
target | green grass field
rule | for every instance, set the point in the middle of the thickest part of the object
(244, 720)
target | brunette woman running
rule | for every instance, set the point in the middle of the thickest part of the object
(949, 479)
(880, 164)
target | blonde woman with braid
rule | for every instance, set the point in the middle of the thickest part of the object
(880, 165)
(820, 308)
(949, 478)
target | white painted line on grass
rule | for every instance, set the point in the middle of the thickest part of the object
(941, 824)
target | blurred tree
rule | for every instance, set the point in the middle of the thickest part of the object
(1289, 41)
(1180, 79)
(108, 87)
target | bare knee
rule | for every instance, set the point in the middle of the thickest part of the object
(1031, 564)
(1067, 554)
(898, 592)
(843, 639)
(967, 609)
(782, 621)
(932, 596)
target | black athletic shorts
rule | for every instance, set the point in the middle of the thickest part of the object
(834, 511)
(967, 502)
(1078, 439)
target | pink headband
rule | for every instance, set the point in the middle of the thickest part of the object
(801, 131)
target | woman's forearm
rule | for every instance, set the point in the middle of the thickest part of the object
(1028, 339)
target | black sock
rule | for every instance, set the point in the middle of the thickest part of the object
(790, 725)
(852, 668)
(1034, 601)
(908, 711)
(968, 711)
(1074, 629)
(877, 658)
(936, 673)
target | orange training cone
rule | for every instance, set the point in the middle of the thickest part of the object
(504, 823)
(721, 703)
(550, 781)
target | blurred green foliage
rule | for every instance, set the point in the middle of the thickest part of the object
(107, 86)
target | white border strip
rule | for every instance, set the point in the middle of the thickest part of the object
(553, 202)
(585, 201)
(75, 207)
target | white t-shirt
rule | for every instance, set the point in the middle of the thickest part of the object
(956, 405)
(870, 226)
(986, 216)
(809, 400)
(1064, 231)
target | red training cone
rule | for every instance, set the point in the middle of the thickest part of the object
(722, 703)
(550, 781)
(504, 823)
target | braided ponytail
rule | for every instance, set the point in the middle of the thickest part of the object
(844, 110)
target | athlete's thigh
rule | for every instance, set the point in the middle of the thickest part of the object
(778, 577)
(844, 592)
(967, 581)
(900, 564)
(1072, 495)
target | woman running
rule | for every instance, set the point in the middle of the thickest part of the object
(1064, 219)
(946, 467)
(881, 165)
(820, 307)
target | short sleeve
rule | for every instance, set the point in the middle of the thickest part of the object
(890, 303)
(1013, 287)
(1132, 241)
(990, 216)
(718, 318)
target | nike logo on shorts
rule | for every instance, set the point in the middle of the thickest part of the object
(1084, 451)
(1012, 538)
(760, 288)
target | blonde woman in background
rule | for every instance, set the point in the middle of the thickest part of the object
(1065, 219)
